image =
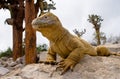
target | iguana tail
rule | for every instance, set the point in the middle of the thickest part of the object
(104, 51)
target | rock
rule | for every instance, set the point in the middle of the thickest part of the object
(20, 60)
(4, 58)
(90, 67)
(13, 77)
(10, 60)
(14, 72)
(3, 71)
(39, 71)
(18, 66)
(4, 64)
(12, 64)
(42, 55)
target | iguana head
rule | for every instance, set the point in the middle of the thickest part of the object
(49, 25)
(45, 22)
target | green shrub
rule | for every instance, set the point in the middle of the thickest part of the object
(7, 53)
(41, 48)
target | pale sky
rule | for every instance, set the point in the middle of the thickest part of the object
(73, 14)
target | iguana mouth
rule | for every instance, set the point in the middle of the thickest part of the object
(36, 24)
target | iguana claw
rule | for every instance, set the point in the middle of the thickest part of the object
(65, 65)
(49, 62)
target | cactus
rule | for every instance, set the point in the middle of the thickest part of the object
(96, 21)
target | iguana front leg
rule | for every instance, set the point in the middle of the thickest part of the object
(51, 58)
(73, 58)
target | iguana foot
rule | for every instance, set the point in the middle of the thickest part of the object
(65, 65)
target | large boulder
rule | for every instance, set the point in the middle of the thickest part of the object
(89, 68)
(3, 71)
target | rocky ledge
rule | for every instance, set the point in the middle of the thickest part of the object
(90, 67)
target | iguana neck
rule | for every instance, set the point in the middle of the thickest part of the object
(56, 34)
(58, 37)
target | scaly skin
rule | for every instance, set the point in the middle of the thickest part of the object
(69, 47)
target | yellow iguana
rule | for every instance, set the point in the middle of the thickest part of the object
(67, 46)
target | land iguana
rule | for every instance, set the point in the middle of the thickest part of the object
(69, 47)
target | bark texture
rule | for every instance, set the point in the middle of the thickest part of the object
(30, 34)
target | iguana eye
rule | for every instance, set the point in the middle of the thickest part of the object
(46, 17)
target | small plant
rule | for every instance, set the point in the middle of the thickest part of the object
(41, 48)
(79, 33)
(7, 53)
